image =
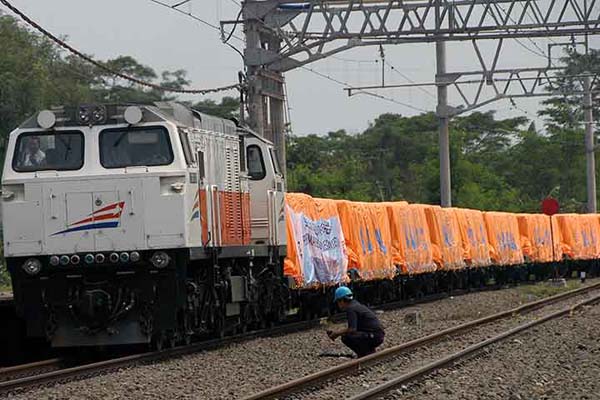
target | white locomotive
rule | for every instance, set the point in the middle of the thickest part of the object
(131, 224)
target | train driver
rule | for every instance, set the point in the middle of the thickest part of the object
(364, 332)
(33, 155)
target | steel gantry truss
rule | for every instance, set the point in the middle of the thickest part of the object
(285, 34)
(492, 83)
(312, 30)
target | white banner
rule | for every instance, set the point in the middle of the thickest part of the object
(321, 249)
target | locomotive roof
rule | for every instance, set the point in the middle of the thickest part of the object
(177, 113)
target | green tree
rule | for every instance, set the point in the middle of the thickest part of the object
(228, 108)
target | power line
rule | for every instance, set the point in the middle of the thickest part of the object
(202, 21)
(339, 82)
(542, 53)
(195, 17)
(102, 66)
(427, 92)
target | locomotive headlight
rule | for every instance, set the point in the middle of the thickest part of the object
(98, 114)
(32, 266)
(114, 258)
(64, 260)
(99, 258)
(75, 259)
(46, 119)
(160, 259)
(134, 256)
(133, 115)
(124, 257)
(83, 115)
(89, 259)
(54, 261)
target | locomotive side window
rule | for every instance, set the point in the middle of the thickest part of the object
(60, 151)
(130, 147)
(187, 150)
(256, 163)
(275, 160)
(201, 170)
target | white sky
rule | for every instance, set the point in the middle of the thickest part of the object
(166, 40)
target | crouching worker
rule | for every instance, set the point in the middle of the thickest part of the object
(364, 332)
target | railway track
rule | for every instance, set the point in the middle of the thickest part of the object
(49, 372)
(27, 381)
(31, 369)
(309, 386)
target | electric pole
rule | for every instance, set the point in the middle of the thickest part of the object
(589, 145)
(282, 35)
(443, 116)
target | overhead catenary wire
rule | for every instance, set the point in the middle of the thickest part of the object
(406, 77)
(104, 67)
(206, 23)
(339, 82)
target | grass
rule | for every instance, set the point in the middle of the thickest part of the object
(5, 285)
(545, 289)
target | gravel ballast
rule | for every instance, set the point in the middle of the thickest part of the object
(245, 368)
(557, 360)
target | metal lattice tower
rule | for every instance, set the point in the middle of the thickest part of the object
(285, 34)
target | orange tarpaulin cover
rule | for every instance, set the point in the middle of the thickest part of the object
(368, 239)
(410, 237)
(445, 237)
(578, 235)
(316, 249)
(504, 238)
(473, 233)
(536, 237)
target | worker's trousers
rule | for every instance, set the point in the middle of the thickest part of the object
(363, 343)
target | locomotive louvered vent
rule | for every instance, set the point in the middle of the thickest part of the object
(233, 195)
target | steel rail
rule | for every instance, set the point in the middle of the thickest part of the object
(27, 368)
(14, 384)
(73, 373)
(382, 389)
(354, 366)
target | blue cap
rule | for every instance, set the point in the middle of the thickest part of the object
(342, 293)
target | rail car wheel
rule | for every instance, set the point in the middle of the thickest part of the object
(159, 341)
(187, 339)
(173, 339)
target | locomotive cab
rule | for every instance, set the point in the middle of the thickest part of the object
(116, 217)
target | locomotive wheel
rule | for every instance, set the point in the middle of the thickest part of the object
(220, 327)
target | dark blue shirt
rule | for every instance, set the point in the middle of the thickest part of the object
(361, 319)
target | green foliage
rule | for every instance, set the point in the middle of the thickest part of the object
(496, 164)
(228, 108)
(5, 283)
(36, 74)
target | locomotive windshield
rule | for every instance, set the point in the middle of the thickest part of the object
(38, 151)
(130, 147)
